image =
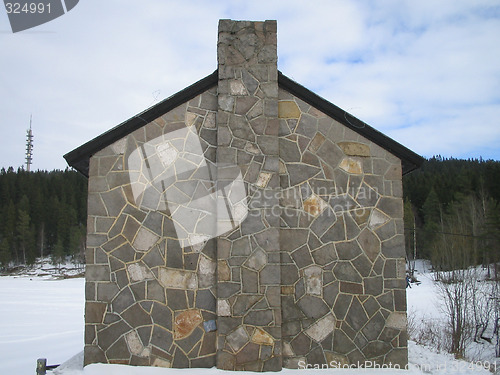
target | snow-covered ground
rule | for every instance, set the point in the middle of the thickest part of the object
(425, 309)
(422, 298)
(43, 317)
(45, 267)
(39, 317)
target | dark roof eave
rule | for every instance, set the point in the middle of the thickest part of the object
(409, 159)
(79, 158)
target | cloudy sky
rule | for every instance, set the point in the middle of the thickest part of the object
(426, 73)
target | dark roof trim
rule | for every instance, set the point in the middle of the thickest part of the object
(79, 158)
(409, 160)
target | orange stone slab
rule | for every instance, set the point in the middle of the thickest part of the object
(186, 322)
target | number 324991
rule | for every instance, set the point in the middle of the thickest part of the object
(17, 8)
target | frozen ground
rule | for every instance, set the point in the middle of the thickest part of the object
(43, 317)
(423, 361)
(425, 309)
(39, 317)
(44, 267)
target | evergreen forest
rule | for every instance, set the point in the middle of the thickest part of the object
(451, 214)
(42, 214)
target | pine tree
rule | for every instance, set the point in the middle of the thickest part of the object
(23, 233)
(58, 253)
(432, 221)
(5, 253)
(23, 227)
(9, 230)
(410, 234)
(76, 244)
(491, 237)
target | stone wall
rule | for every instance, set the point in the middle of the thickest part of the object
(150, 284)
(245, 229)
(342, 249)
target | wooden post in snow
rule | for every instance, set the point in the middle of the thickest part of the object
(41, 366)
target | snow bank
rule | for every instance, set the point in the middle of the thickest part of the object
(39, 317)
(422, 361)
(43, 317)
(44, 267)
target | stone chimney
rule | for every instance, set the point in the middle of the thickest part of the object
(248, 281)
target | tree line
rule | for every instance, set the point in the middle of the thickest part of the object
(42, 214)
(452, 217)
(452, 213)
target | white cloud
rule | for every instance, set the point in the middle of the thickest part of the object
(425, 73)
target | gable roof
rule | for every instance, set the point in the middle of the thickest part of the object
(79, 158)
(409, 159)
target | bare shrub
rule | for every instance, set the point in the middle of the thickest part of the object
(427, 331)
(454, 288)
(483, 309)
(412, 324)
(470, 304)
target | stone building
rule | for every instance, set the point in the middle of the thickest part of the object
(245, 223)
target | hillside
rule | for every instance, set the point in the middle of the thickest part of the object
(447, 201)
(42, 213)
(454, 207)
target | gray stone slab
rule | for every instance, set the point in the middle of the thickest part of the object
(301, 172)
(313, 307)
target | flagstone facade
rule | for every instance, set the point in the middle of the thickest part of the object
(244, 224)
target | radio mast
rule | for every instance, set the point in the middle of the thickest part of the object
(29, 146)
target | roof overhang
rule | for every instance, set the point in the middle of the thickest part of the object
(79, 158)
(409, 159)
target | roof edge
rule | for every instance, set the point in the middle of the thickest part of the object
(79, 158)
(409, 159)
